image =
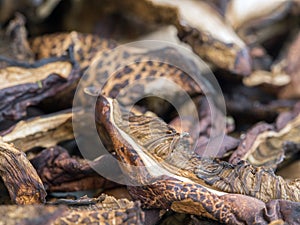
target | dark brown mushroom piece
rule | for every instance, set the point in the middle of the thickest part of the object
(20, 178)
(24, 85)
(105, 209)
(61, 172)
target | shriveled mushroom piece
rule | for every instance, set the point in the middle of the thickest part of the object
(168, 175)
(43, 131)
(24, 85)
(199, 25)
(19, 176)
(103, 210)
(228, 208)
(61, 172)
(268, 145)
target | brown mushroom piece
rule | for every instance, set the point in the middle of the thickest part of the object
(61, 172)
(201, 26)
(43, 131)
(24, 85)
(164, 168)
(268, 145)
(104, 210)
(19, 176)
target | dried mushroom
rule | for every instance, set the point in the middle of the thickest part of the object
(105, 209)
(164, 164)
(208, 35)
(44, 131)
(61, 172)
(24, 85)
(264, 144)
(20, 178)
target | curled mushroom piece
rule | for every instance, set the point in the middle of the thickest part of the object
(168, 175)
(228, 208)
(202, 27)
(61, 172)
(24, 85)
(267, 145)
(20, 178)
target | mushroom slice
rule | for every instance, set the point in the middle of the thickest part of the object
(202, 27)
(150, 150)
(19, 176)
(44, 131)
(267, 145)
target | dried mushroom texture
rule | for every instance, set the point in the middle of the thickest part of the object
(103, 210)
(131, 73)
(244, 15)
(86, 46)
(20, 178)
(157, 152)
(248, 180)
(14, 43)
(267, 145)
(42, 131)
(228, 208)
(30, 214)
(61, 172)
(24, 85)
(201, 26)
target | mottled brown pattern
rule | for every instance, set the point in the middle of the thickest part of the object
(229, 208)
(132, 73)
(173, 152)
(20, 178)
(176, 189)
(86, 46)
(106, 210)
(247, 179)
